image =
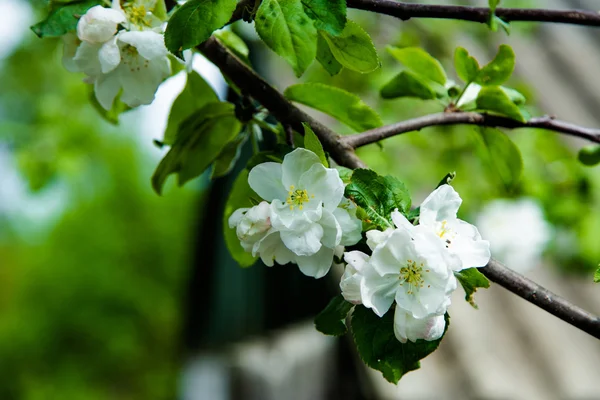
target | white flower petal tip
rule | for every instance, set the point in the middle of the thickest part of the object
(408, 328)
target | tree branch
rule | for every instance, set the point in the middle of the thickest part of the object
(543, 298)
(470, 118)
(252, 84)
(405, 11)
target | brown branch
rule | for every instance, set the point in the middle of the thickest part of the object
(405, 11)
(288, 114)
(543, 298)
(470, 118)
(250, 83)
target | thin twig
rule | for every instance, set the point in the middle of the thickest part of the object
(405, 11)
(470, 118)
(289, 135)
(543, 298)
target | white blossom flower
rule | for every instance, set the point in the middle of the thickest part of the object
(407, 327)
(99, 24)
(350, 282)
(438, 215)
(517, 231)
(252, 224)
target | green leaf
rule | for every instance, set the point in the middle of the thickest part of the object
(112, 115)
(589, 155)
(226, 160)
(343, 106)
(408, 84)
(195, 95)
(332, 320)
(328, 15)
(378, 196)
(379, 348)
(504, 155)
(467, 67)
(63, 18)
(160, 10)
(200, 139)
(312, 143)
(325, 57)
(345, 174)
(288, 31)
(494, 98)
(497, 71)
(420, 62)
(597, 275)
(471, 279)
(493, 4)
(353, 48)
(195, 21)
(234, 43)
(239, 197)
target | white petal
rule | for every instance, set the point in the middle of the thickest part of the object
(390, 257)
(236, 217)
(86, 59)
(378, 292)
(271, 249)
(356, 259)
(297, 163)
(323, 183)
(406, 327)
(442, 204)
(400, 220)
(141, 78)
(285, 218)
(70, 44)
(109, 56)
(304, 243)
(150, 45)
(472, 253)
(350, 285)
(350, 225)
(375, 237)
(265, 180)
(332, 232)
(106, 89)
(99, 24)
(316, 265)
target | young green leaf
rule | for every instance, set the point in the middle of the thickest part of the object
(408, 84)
(328, 15)
(471, 279)
(494, 98)
(467, 67)
(195, 21)
(312, 143)
(497, 71)
(325, 57)
(239, 197)
(288, 31)
(503, 154)
(63, 18)
(420, 62)
(332, 320)
(353, 48)
(493, 4)
(234, 43)
(226, 160)
(195, 95)
(589, 155)
(378, 196)
(345, 174)
(379, 348)
(200, 139)
(343, 106)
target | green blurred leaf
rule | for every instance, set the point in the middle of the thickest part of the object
(239, 197)
(328, 15)
(504, 155)
(493, 4)
(63, 18)
(589, 155)
(160, 10)
(200, 139)
(343, 106)
(420, 63)
(378, 196)
(234, 43)
(467, 67)
(288, 31)
(332, 320)
(597, 275)
(408, 84)
(312, 143)
(345, 174)
(497, 71)
(195, 21)
(325, 57)
(226, 160)
(112, 115)
(195, 95)
(471, 279)
(494, 98)
(353, 48)
(379, 348)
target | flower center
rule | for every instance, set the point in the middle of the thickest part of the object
(297, 197)
(412, 275)
(445, 232)
(138, 15)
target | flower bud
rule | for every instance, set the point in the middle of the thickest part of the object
(99, 24)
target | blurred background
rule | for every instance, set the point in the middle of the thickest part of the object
(108, 291)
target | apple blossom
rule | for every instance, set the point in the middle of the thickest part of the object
(99, 24)
(252, 224)
(407, 327)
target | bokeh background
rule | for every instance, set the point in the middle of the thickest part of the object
(108, 291)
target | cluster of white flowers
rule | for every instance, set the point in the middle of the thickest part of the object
(414, 266)
(120, 51)
(304, 218)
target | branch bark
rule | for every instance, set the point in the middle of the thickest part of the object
(343, 153)
(405, 11)
(470, 118)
